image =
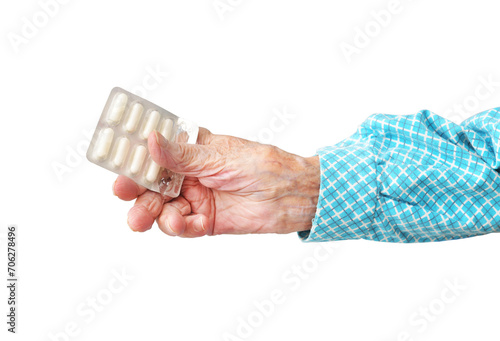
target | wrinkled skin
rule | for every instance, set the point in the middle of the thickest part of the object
(231, 186)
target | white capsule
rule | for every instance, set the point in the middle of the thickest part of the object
(134, 117)
(150, 124)
(152, 172)
(138, 159)
(166, 128)
(121, 152)
(103, 143)
(117, 108)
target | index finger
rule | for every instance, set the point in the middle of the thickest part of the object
(204, 136)
(126, 188)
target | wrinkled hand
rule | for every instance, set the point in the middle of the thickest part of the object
(231, 186)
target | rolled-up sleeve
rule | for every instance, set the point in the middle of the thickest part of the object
(411, 178)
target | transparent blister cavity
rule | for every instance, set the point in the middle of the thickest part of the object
(120, 140)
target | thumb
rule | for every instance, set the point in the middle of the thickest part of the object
(188, 159)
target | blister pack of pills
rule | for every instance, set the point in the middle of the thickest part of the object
(120, 140)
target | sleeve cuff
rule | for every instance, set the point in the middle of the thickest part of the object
(348, 193)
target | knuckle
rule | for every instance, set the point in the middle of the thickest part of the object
(153, 204)
(184, 156)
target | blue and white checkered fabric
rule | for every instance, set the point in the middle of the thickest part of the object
(415, 178)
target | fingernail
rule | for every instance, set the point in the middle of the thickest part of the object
(113, 188)
(162, 142)
(170, 228)
(198, 226)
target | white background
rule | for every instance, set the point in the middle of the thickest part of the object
(230, 72)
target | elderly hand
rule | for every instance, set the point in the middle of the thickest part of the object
(231, 186)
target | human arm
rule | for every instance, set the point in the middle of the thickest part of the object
(412, 178)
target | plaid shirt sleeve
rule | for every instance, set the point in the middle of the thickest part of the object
(409, 179)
